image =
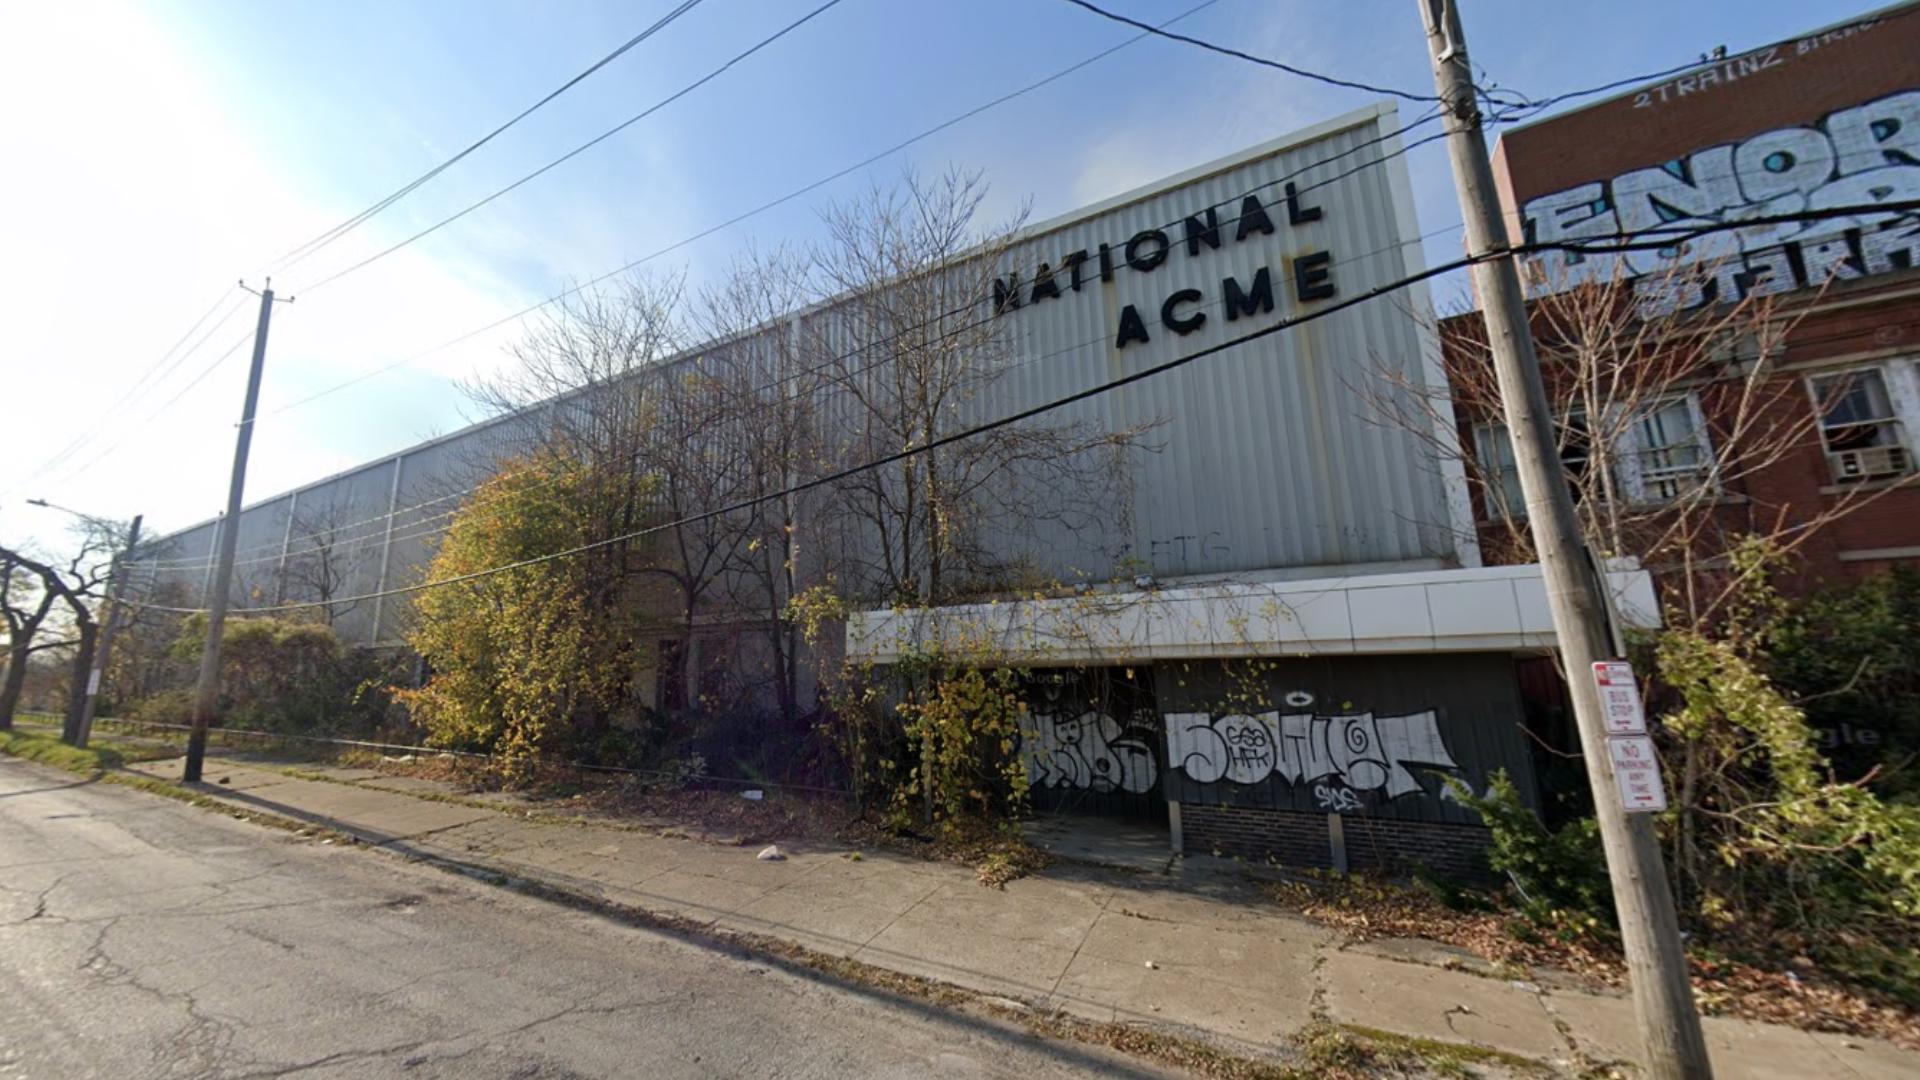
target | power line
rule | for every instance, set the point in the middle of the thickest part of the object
(226, 296)
(730, 222)
(164, 406)
(1147, 31)
(1330, 80)
(302, 252)
(828, 364)
(299, 253)
(885, 459)
(550, 165)
(576, 151)
(352, 541)
(1534, 105)
(155, 373)
(312, 246)
(419, 528)
(422, 527)
(1625, 242)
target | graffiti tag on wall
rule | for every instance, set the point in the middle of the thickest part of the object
(1867, 155)
(1363, 751)
(1088, 750)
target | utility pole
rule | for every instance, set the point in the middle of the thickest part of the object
(1656, 959)
(80, 728)
(206, 691)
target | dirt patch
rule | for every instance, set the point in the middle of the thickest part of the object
(725, 816)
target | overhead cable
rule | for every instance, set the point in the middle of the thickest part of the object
(1235, 201)
(427, 527)
(128, 431)
(155, 374)
(313, 245)
(1620, 243)
(576, 151)
(1330, 80)
(1533, 107)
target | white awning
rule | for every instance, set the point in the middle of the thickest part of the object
(1491, 608)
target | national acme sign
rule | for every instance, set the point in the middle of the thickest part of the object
(1149, 249)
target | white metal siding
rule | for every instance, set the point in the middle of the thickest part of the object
(1268, 457)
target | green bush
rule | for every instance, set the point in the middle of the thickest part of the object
(963, 730)
(1850, 658)
(283, 676)
(534, 662)
(275, 674)
(1772, 857)
(165, 707)
(1772, 854)
(1560, 874)
(1766, 826)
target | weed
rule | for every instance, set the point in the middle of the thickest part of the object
(48, 750)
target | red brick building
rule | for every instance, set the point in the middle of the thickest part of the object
(1776, 367)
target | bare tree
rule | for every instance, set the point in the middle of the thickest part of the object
(25, 606)
(54, 592)
(696, 457)
(577, 382)
(326, 551)
(143, 662)
(594, 381)
(1668, 422)
(768, 397)
(912, 355)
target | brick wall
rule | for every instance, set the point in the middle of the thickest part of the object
(1293, 838)
(1385, 844)
(1287, 837)
(1879, 324)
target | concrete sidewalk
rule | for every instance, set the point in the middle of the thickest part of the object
(1192, 950)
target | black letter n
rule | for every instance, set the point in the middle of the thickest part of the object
(1006, 294)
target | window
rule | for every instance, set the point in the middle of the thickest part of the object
(1499, 472)
(1860, 425)
(1576, 451)
(1502, 476)
(1670, 456)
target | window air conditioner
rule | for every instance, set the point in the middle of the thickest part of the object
(1870, 461)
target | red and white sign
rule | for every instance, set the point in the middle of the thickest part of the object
(1620, 706)
(1636, 772)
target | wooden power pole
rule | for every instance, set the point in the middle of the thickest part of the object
(1656, 958)
(206, 691)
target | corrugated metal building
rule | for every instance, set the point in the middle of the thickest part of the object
(1279, 515)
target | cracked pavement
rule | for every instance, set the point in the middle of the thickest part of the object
(141, 937)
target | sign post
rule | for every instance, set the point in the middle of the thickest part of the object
(1636, 765)
(1636, 772)
(1619, 698)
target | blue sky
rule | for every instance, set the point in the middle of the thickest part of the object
(159, 151)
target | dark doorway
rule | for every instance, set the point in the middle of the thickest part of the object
(1095, 743)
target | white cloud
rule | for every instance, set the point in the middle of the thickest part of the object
(1124, 160)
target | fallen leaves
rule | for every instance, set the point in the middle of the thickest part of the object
(1367, 908)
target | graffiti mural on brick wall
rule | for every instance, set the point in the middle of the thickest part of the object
(1340, 756)
(1867, 155)
(1091, 751)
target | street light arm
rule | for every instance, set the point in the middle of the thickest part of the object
(105, 524)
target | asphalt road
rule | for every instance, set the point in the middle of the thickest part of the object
(141, 937)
